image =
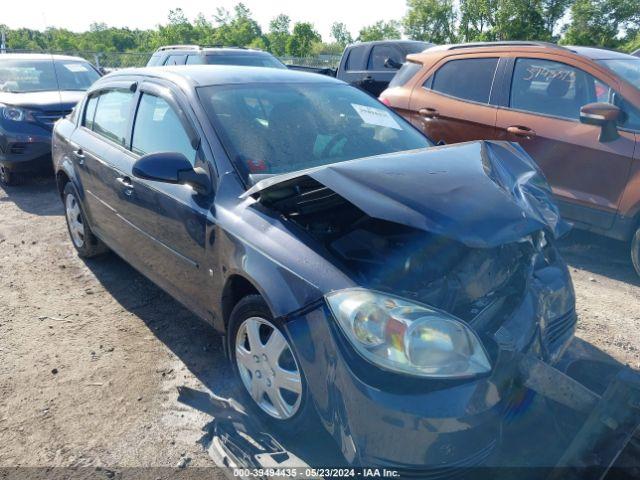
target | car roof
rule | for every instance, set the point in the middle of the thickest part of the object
(201, 75)
(599, 53)
(591, 53)
(39, 56)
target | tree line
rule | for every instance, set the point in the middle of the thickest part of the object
(605, 23)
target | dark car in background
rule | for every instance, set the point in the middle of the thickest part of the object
(195, 55)
(370, 66)
(35, 91)
(575, 110)
(359, 274)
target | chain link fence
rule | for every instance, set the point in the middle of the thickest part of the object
(116, 60)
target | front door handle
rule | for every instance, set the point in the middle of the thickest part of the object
(126, 183)
(428, 112)
(520, 131)
(367, 79)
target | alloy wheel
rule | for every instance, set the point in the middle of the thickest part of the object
(74, 220)
(268, 368)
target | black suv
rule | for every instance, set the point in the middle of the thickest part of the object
(196, 55)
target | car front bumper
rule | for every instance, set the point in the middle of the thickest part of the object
(25, 148)
(380, 418)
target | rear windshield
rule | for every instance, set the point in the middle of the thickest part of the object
(406, 73)
(280, 128)
(22, 76)
(416, 47)
(245, 60)
(627, 68)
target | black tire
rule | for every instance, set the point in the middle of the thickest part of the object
(7, 177)
(90, 245)
(305, 416)
(635, 250)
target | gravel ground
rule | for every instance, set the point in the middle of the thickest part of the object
(91, 352)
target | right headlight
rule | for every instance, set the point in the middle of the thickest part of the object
(15, 114)
(399, 335)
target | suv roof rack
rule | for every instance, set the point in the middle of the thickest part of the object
(507, 43)
(178, 47)
(194, 47)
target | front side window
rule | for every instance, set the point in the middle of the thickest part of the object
(158, 128)
(554, 88)
(23, 76)
(112, 115)
(279, 128)
(467, 79)
(379, 55)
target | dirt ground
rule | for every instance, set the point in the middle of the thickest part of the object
(92, 353)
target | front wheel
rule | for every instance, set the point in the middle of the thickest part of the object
(635, 250)
(7, 177)
(263, 358)
(85, 242)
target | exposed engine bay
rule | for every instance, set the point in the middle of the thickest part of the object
(471, 283)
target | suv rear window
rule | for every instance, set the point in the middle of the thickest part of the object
(468, 79)
(406, 73)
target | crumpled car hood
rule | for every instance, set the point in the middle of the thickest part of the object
(482, 194)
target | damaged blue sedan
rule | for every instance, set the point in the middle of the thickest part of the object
(364, 278)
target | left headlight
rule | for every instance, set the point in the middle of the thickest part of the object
(14, 114)
(406, 337)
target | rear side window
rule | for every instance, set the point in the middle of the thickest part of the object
(468, 79)
(406, 73)
(112, 115)
(90, 112)
(379, 55)
(158, 129)
(355, 60)
(195, 60)
(554, 88)
(175, 60)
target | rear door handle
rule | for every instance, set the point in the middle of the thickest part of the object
(520, 131)
(79, 154)
(368, 79)
(126, 183)
(428, 112)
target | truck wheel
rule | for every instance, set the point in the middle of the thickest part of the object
(273, 384)
(85, 242)
(635, 250)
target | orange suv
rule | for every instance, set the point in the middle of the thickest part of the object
(575, 110)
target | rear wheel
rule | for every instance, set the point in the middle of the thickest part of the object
(85, 242)
(635, 250)
(273, 383)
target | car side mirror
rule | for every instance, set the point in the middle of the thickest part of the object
(603, 115)
(172, 167)
(391, 63)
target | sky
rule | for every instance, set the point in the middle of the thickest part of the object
(77, 15)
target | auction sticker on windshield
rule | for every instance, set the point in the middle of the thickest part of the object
(376, 116)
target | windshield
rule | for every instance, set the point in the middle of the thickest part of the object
(22, 76)
(627, 68)
(245, 60)
(280, 128)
